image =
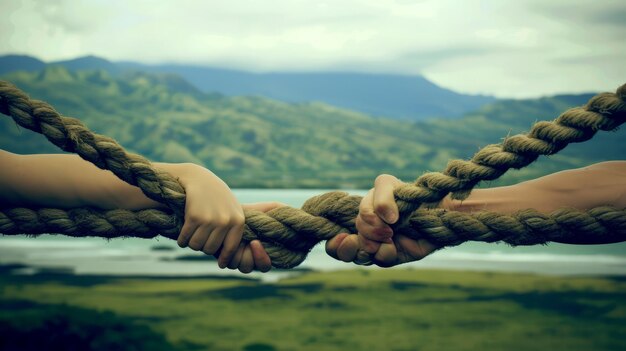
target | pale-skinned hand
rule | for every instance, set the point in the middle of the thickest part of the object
(377, 211)
(214, 218)
(252, 256)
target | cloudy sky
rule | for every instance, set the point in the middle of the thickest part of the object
(520, 48)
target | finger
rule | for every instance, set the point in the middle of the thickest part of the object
(185, 233)
(366, 209)
(348, 248)
(230, 245)
(387, 255)
(383, 233)
(199, 238)
(262, 261)
(234, 263)
(384, 201)
(215, 240)
(333, 244)
(369, 246)
(247, 261)
(414, 250)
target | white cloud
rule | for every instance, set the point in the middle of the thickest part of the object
(505, 48)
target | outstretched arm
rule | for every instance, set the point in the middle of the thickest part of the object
(584, 188)
(214, 218)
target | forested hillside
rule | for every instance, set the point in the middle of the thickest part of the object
(407, 97)
(258, 142)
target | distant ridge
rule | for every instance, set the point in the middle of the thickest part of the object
(11, 63)
(259, 142)
(407, 97)
(89, 62)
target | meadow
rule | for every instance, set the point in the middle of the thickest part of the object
(355, 309)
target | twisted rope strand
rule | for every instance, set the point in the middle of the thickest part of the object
(439, 226)
(605, 111)
(287, 233)
(71, 135)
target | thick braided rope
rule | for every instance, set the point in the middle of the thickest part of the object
(605, 111)
(287, 233)
(71, 135)
(444, 228)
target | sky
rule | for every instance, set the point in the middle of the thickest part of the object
(523, 48)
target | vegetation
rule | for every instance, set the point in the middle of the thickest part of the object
(409, 97)
(26, 325)
(346, 310)
(257, 142)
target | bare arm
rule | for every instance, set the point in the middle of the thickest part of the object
(67, 181)
(584, 188)
(213, 217)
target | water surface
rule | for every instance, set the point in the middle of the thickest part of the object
(137, 256)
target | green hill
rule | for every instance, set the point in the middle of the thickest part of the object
(257, 142)
(400, 96)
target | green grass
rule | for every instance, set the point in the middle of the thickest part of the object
(353, 309)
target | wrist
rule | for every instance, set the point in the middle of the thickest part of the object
(183, 172)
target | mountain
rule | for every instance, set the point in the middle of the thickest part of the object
(259, 142)
(89, 63)
(405, 97)
(12, 63)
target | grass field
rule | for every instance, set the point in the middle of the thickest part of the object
(344, 310)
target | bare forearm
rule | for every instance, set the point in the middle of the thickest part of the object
(67, 181)
(583, 188)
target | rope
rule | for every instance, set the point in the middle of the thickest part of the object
(288, 234)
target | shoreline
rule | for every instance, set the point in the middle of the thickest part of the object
(154, 258)
(67, 275)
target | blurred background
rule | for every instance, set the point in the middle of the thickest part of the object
(285, 100)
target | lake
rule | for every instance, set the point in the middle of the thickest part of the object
(138, 257)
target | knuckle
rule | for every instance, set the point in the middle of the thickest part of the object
(369, 235)
(381, 208)
(366, 201)
(382, 178)
(238, 220)
(221, 221)
(382, 232)
(193, 218)
(368, 217)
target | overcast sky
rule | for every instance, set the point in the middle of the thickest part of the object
(520, 48)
